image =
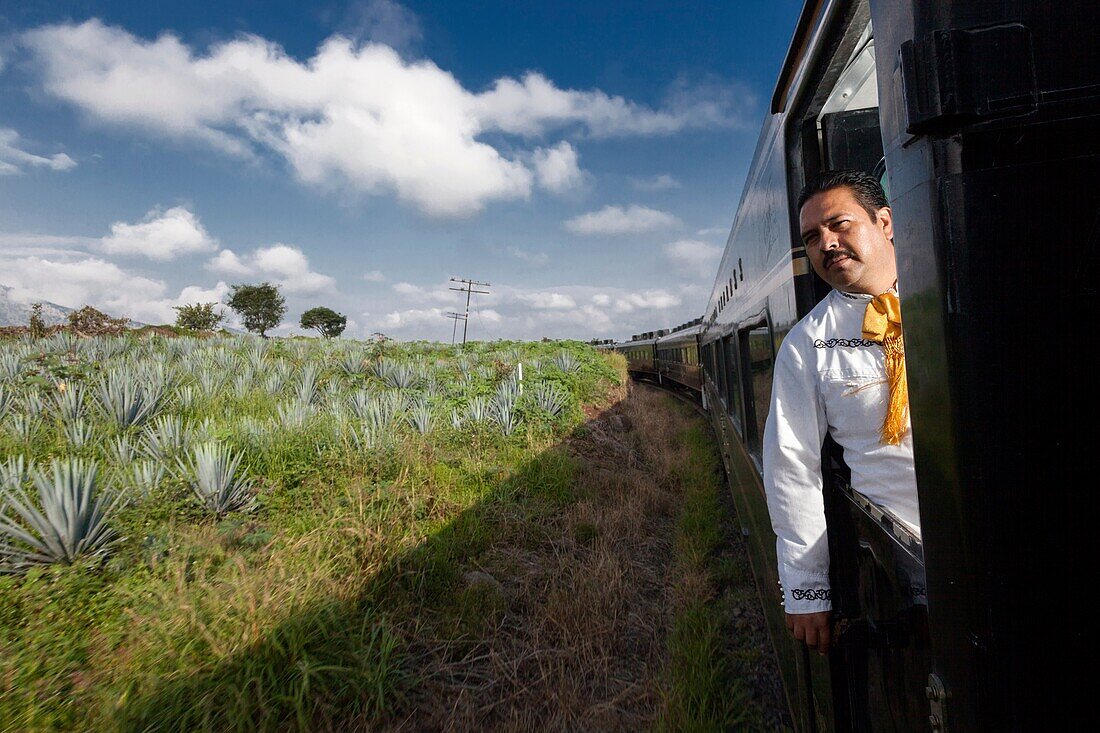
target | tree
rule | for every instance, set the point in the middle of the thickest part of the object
(325, 321)
(199, 316)
(37, 323)
(261, 307)
(91, 322)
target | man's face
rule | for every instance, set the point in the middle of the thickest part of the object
(847, 249)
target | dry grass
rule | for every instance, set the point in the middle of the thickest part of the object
(588, 593)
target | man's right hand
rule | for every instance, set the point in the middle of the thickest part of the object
(816, 629)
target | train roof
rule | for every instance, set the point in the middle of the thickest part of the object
(685, 334)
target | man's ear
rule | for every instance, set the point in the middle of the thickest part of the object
(886, 221)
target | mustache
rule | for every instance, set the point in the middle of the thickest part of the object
(832, 255)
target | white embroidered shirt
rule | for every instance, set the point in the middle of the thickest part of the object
(828, 378)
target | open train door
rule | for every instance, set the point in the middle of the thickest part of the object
(991, 127)
(875, 678)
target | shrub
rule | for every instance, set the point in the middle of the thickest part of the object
(199, 316)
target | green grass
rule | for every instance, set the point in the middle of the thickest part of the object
(307, 613)
(707, 661)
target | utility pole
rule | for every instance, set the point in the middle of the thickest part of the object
(456, 317)
(467, 287)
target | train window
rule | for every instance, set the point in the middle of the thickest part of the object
(757, 354)
(732, 389)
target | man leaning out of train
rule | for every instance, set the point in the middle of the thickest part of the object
(841, 371)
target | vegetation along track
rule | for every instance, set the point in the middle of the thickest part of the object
(416, 544)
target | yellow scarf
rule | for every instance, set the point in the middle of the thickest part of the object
(882, 324)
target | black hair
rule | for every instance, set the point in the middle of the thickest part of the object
(864, 187)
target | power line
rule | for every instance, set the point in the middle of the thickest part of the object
(456, 317)
(468, 288)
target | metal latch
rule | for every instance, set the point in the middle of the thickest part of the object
(937, 701)
(951, 77)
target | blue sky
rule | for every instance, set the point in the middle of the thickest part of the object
(583, 157)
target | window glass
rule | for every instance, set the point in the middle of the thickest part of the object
(732, 387)
(758, 354)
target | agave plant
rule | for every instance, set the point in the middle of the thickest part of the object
(165, 438)
(23, 426)
(145, 476)
(509, 389)
(212, 473)
(33, 405)
(294, 414)
(121, 449)
(477, 409)
(69, 403)
(11, 366)
(71, 524)
(274, 383)
(202, 431)
(186, 397)
(353, 364)
(504, 414)
(550, 398)
(420, 417)
(210, 380)
(78, 433)
(399, 375)
(307, 389)
(364, 437)
(566, 362)
(242, 384)
(124, 401)
(6, 401)
(14, 472)
(456, 419)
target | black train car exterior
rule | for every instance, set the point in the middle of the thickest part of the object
(983, 120)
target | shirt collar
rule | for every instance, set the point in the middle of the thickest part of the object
(862, 297)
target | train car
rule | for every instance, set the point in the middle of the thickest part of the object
(982, 122)
(678, 356)
(640, 353)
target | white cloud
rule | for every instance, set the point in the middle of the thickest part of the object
(89, 280)
(646, 300)
(160, 236)
(616, 220)
(662, 182)
(538, 259)
(353, 116)
(198, 294)
(229, 263)
(413, 317)
(510, 311)
(556, 168)
(547, 300)
(693, 257)
(383, 21)
(286, 265)
(13, 158)
(532, 105)
(374, 276)
(713, 231)
(408, 289)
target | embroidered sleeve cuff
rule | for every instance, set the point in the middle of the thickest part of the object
(805, 592)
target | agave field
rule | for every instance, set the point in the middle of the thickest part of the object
(215, 533)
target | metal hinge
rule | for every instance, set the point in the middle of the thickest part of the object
(951, 77)
(937, 700)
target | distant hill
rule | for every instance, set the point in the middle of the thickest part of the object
(15, 313)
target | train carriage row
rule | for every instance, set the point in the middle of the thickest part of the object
(982, 120)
